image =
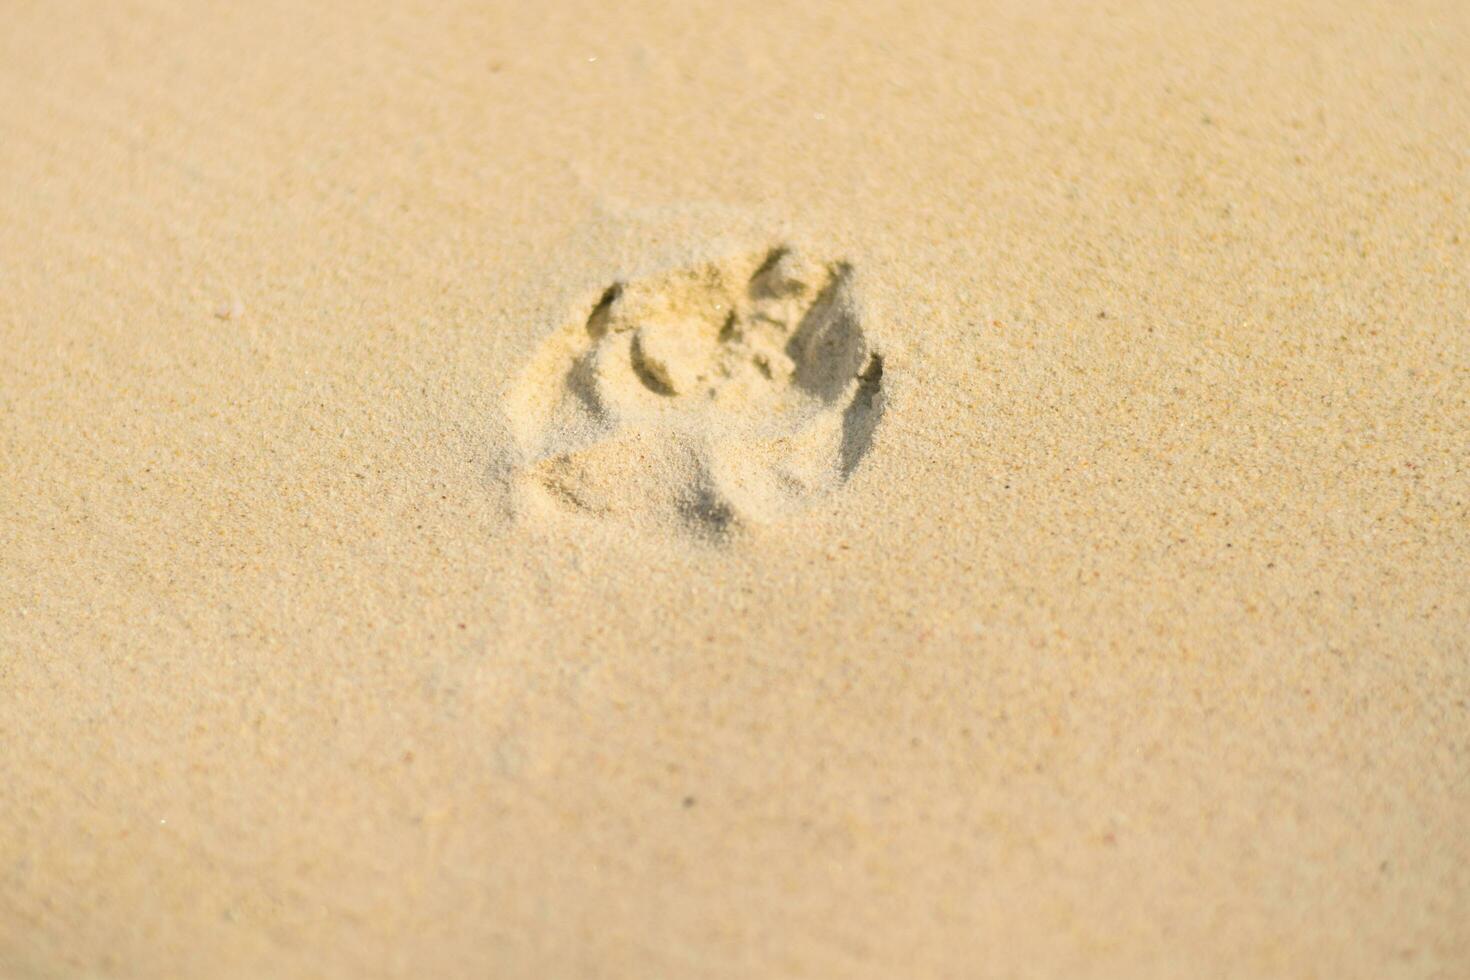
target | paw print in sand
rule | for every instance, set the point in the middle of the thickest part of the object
(709, 397)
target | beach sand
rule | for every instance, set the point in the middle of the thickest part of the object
(704, 489)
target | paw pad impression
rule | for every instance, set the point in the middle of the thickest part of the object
(712, 396)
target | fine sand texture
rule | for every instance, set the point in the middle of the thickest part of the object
(754, 489)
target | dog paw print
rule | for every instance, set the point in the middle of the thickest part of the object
(712, 397)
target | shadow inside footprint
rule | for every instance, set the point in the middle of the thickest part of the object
(649, 371)
(827, 347)
(708, 513)
(860, 418)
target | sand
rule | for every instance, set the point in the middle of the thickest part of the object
(758, 489)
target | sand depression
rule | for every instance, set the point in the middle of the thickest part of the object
(703, 398)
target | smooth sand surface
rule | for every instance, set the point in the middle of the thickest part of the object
(734, 489)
